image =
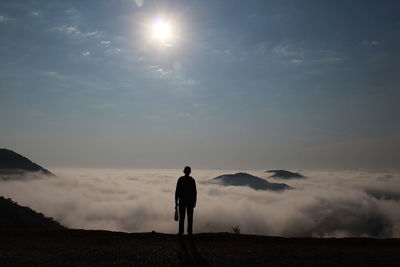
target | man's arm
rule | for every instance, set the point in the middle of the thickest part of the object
(177, 192)
(195, 194)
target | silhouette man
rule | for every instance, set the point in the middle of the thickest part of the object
(185, 198)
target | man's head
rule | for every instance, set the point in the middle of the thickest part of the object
(187, 170)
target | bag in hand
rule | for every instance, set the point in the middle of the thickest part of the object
(176, 217)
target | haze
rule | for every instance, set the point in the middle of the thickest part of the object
(325, 204)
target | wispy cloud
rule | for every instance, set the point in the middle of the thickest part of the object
(163, 72)
(75, 32)
(35, 13)
(287, 51)
(6, 18)
(331, 59)
(190, 82)
(53, 74)
(372, 43)
(72, 13)
(113, 51)
(297, 61)
(173, 75)
(139, 3)
(86, 53)
(104, 42)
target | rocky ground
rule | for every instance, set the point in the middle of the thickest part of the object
(103, 248)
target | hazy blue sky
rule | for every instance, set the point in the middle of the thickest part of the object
(240, 84)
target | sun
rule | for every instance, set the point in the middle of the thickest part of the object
(162, 30)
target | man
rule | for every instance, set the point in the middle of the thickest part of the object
(185, 198)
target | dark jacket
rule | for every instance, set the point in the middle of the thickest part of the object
(186, 191)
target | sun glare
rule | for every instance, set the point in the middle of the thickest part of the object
(161, 30)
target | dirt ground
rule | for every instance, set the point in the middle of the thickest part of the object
(104, 248)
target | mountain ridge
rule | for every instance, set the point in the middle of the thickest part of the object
(245, 179)
(284, 174)
(13, 163)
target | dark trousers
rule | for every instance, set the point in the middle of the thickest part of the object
(182, 211)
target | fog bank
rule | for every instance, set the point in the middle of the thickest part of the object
(327, 203)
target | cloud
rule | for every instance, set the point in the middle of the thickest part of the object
(104, 42)
(189, 82)
(331, 59)
(287, 51)
(35, 13)
(113, 51)
(53, 74)
(85, 54)
(71, 11)
(327, 203)
(139, 3)
(6, 19)
(163, 72)
(371, 43)
(75, 32)
(174, 75)
(297, 60)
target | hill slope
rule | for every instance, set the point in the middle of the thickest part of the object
(14, 216)
(102, 248)
(14, 163)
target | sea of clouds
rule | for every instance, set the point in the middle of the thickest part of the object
(327, 203)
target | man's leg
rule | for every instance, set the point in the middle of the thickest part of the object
(190, 220)
(181, 219)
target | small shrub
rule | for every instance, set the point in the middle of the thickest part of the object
(236, 230)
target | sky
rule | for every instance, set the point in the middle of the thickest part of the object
(237, 84)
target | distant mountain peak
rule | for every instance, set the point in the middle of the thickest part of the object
(245, 179)
(285, 174)
(14, 163)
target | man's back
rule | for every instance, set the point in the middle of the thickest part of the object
(186, 191)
